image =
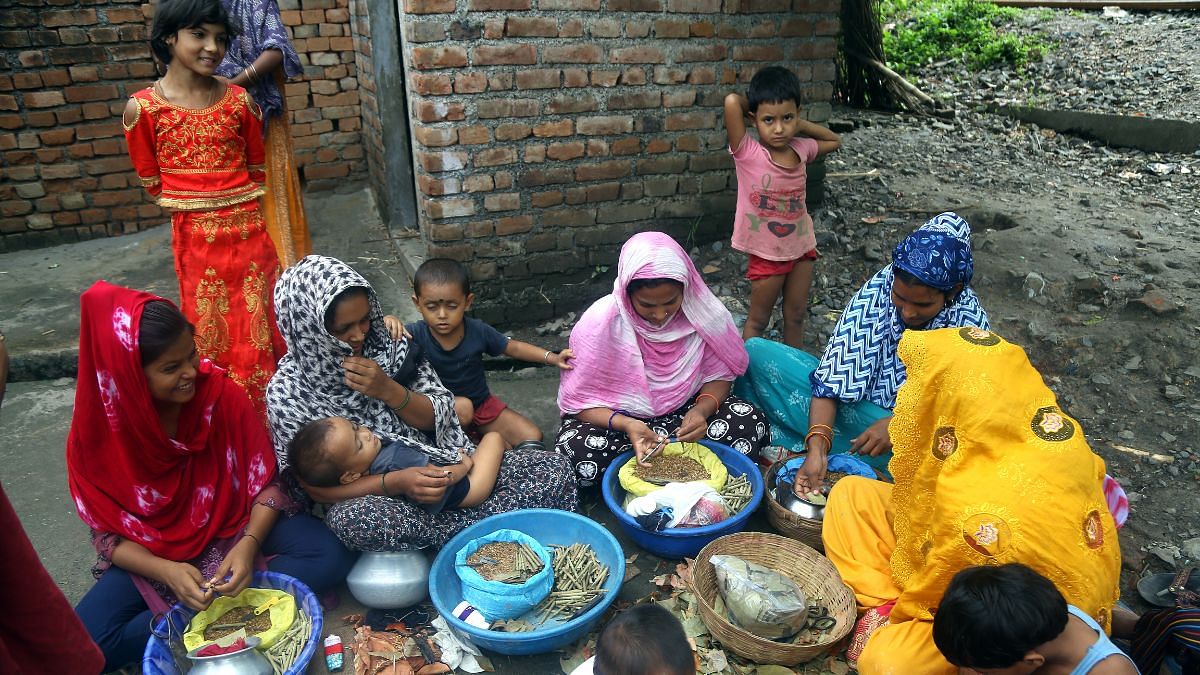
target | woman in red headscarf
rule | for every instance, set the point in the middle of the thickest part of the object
(174, 471)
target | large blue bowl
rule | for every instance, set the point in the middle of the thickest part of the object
(681, 542)
(550, 528)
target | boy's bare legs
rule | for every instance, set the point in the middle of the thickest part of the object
(513, 427)
(763, 295)
(465, 411)
(486, 467)
(796, 288)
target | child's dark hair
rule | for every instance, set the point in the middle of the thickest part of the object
(638, 284)
(161, 325)
(644, 640)
(172, 16)
(992, 616)
(306, 454)
(439, 271)
(773, 84)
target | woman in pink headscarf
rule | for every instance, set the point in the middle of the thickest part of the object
(654, 359)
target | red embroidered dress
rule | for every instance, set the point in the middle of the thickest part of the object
(207, 165)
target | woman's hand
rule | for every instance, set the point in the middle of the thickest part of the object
(811, 475)
(366, 377)
(643, 438)
(238, 565)
(562, 359)
(395, 328)
(693, 426)
(874, 441)
(423, 484)
(186, 582)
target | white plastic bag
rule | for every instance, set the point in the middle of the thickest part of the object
(760, 600)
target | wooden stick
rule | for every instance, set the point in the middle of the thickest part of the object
(897, 78)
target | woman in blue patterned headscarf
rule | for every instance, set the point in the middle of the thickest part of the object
(851, 390)
(260, 58)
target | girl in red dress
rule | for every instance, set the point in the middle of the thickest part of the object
(196, 144)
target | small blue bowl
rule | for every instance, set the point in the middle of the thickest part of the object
(680, 542)
(551, 528)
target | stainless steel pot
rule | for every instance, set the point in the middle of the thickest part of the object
(248, 661)
(390, 579)
(782, 493)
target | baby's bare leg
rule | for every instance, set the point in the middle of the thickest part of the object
(487, 458)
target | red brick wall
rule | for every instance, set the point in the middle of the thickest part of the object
(66, 69)
(546, 130)
(324, 103)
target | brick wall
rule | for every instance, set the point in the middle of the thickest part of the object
(545, 131)
(324, 103)
(67, 68)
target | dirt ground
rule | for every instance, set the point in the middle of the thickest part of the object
(1085, 255)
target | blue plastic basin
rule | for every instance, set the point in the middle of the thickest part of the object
(551, 528)
(157, 659)
(680, 542)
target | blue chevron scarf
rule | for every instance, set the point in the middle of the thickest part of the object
(860, 361)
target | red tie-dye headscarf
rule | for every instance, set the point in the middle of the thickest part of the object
(172, 496)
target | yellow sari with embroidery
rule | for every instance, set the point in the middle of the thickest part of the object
(988, 471)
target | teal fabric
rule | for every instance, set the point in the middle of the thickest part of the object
(777, 382)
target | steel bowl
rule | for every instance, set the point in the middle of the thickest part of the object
(389, 579)
(248, 661)
(781, 492)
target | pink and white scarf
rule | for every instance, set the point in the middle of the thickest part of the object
(625, 363)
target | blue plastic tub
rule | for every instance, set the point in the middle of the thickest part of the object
(550, 528)
(157, 658)
(680, 542)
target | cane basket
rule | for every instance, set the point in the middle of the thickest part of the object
(813, 572)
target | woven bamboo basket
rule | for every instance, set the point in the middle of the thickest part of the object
(813, 572)
(791, 525)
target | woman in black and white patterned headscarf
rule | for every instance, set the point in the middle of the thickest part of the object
(342, 361)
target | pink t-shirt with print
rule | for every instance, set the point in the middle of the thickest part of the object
(772, 221)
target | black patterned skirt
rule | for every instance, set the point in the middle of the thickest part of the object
(592, 448)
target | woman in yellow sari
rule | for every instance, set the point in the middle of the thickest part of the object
(988, 470)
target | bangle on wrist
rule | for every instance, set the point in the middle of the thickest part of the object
(821, 426)
(706, 395)
(610, 418)
(819, 434)
(546, 358)
(383, 483)
(246, 533)
(404, 403)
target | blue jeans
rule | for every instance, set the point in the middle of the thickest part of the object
(117, 618)
(777, 383)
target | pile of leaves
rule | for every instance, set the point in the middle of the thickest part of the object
(672, 592)
(918, 32)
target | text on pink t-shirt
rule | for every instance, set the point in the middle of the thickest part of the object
(772, 220)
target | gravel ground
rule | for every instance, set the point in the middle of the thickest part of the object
(1085, 254)
(1142, 63)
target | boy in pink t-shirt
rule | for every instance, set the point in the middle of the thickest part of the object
(772, 222)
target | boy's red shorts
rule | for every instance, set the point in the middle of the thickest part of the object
(761, 268)
(488, 411)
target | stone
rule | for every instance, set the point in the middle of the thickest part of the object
(1159, 302)
(1173, 393)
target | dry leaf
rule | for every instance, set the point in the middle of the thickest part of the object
(632, 571)
(871, 220)
(838, 667)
